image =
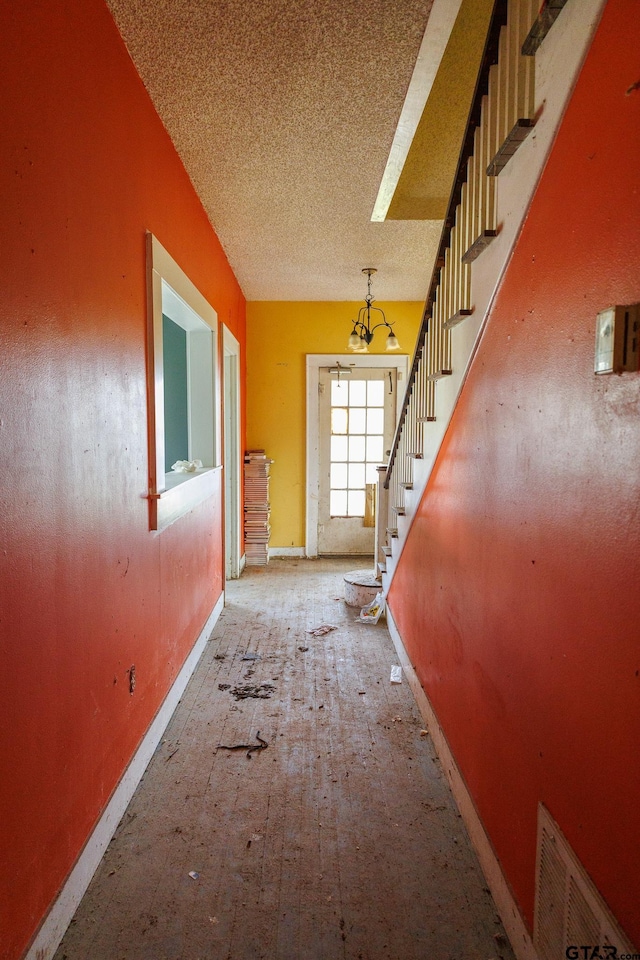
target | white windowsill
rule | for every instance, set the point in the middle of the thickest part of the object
(183, 492)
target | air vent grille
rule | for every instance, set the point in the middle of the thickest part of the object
(552, 881)
(569, 910)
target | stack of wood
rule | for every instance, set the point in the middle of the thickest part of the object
(256, 507)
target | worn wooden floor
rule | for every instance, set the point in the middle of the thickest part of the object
(338, 840)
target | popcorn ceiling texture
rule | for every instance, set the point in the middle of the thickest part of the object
(283, 112)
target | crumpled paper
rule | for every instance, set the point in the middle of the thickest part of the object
(186, 466)
(323, 629)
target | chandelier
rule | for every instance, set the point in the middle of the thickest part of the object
(362, 333)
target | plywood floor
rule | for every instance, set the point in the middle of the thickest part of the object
(338, 840)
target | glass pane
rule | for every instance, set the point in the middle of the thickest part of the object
(372, 473)
(358, 420)
(375, 421)
(338, 420)
(339, 393)
(176, 393)
(356, 503)
(375, 393)
(374, 448)
(356, 447)
(356, 475)
(338, 503)
(339, 448)
(338, 475)
(358, 393)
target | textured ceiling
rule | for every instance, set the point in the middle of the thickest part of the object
(284, 113)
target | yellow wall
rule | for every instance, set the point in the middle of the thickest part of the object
(279, 336)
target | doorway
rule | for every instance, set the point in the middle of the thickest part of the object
(356, 409)
(232, 465)
(351, 418)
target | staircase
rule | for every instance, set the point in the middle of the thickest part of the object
(507, 131)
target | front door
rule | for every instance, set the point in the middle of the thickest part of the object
(357, 413)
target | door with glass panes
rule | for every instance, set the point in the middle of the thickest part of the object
(357, 412)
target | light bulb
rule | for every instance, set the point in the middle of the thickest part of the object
(354, 342)
(392, 342)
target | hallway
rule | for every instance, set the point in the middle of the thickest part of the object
(338, 839)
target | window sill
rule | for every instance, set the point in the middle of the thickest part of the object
(183, 492)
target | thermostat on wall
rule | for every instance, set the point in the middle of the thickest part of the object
(617, 336)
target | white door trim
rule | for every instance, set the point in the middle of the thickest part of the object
(232, 464)
(314, 362)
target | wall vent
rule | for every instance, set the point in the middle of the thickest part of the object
(569, 911)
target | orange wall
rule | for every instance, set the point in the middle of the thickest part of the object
(85, 589)
(517, 592)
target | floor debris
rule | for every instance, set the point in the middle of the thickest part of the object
(373, 611)
(323, 629)
(323, 767)
(252, 656)
(396, 675)
(259, 691)
(249, 747)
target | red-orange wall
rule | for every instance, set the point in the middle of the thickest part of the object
(517, 592)
(85, 589)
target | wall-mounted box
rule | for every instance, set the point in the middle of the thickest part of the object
(617, 336)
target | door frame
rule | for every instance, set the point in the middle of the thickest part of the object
(232, 453)
(314, 362)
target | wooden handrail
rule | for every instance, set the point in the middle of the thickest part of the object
(489, 57)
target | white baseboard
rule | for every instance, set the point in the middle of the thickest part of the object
(53, 928)
(286, 552)
(503, 898)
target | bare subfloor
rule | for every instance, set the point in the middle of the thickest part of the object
(339, 839)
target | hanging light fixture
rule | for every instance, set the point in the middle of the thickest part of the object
(362, 333)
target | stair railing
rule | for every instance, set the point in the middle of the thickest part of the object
(500, 118)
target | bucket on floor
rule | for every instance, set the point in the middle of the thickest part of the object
(360, 588)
